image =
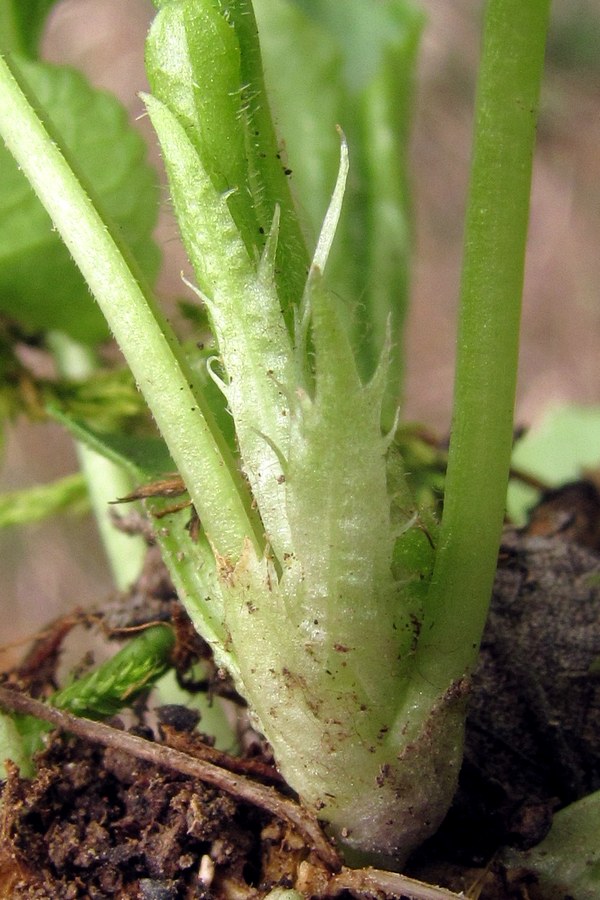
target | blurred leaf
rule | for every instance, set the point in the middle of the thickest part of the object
(566, 442)
(12, 747)
(108, 399)
(33, 504)
(196, 314)
(40, 287)
(363, 31)
(306, 100)
(213, 715)
(362, 58)
(142, 457)
(574, 39)
(22, 23)
(567, 862)
(424, 461)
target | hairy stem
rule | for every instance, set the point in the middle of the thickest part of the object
(147, 341)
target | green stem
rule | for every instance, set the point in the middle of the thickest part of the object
(492, 280)
(105, 480)
(148, 343)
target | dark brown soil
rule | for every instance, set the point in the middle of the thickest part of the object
(99, 823)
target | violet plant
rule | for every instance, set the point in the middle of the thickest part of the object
(347, 616)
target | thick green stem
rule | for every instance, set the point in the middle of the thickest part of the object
(492, 279)
(151, 349)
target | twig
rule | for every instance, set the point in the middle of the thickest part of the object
(368, 882)
(245, 789)
(251, 768)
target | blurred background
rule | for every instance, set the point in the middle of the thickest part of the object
(50, 568)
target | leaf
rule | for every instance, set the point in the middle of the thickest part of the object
(190, 562)
(40, 286)
(363, 31)
(118, 681)
(142, 457)
(362, 57)
(22, 23)
(12, 747)
(567, 862)
(559, 449)
(36, 503)
(102, 692)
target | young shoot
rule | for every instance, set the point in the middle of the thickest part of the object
(350, 632)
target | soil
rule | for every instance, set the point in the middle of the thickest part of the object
(107, 821)
(98, 822)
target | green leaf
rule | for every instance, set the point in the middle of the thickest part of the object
(362, 58)
(22, 23)
(147, 340)
(142, 457)
(363, 31)
(559, 449)
(103, 692)
(119, 680)
(40, 286)
(13, 747)
(307, 103)
(36, 503)
(567, 862)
